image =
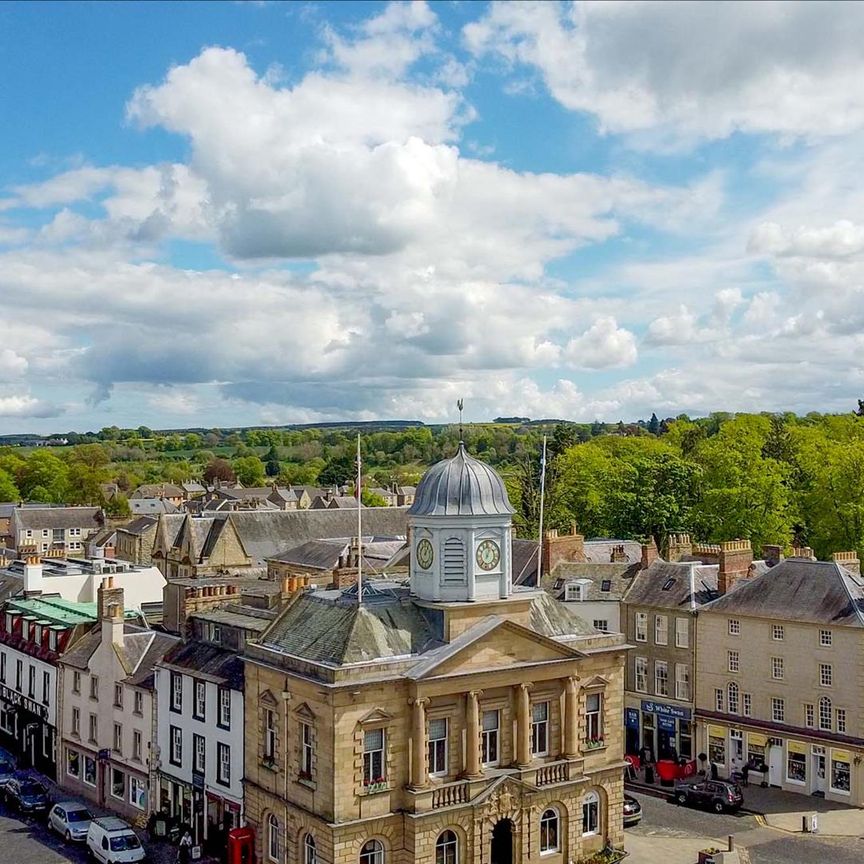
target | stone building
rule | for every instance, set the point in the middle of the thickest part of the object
(456, 719)
(135, 540)
(778, 680)
(46, 530)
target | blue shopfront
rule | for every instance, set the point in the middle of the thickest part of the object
(663, 729)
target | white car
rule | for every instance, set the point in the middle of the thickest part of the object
(112, 841)
(71, 820)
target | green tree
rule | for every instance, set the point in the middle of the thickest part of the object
(219, 469)
(46, 473)
(8, 490)
(338, 471)
(249, 470)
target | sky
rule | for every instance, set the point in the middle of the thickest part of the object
(246, 213)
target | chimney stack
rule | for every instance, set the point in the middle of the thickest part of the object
(617, 555)
(107, 595)
(848, 560)
(736, 556)
(32, 576)
(678, 546)
(112, 625)
(561, 547)
(649, 554)
(803, 552)
(772, 555)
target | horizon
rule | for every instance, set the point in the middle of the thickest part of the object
(243, 215)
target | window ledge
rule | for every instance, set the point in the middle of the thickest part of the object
(376, 788)
(591, 748)
(269, 764)
(308, 782)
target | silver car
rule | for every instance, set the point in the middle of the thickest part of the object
(71, 820)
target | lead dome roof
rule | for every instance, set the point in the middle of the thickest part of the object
(461, 486)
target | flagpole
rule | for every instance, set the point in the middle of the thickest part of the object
(542, 496)
(359, 491)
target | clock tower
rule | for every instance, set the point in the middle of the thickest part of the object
(461, 523)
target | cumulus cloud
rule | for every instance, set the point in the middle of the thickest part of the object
(23, 405)
(604, 345)
(840, 240)
(691, 69)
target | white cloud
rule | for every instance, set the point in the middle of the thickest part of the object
(23, 405)
(677, 329)
(843, 239)
(604, 345)
(690, 69)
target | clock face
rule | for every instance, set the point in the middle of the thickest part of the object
(488, 555)
(425, 554)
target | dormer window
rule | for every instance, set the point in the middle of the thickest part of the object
(37, 634)
(575, 591)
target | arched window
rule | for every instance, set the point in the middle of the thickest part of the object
(549, 831)
(732, 697)
(454, 561)
(825, 713)
(447, 848)
(591, 814)
(310, 856)
(372, 852)
(272, 838)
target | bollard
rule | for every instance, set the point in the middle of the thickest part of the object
(805, 824)
(730, 843)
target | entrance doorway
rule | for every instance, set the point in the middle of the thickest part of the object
(775, 761)
(819, 771)
(502, 842)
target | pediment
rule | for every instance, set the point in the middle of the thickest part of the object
(375, 717)
(597, 682)
(268, 699)
(493, 643)
(304, 711)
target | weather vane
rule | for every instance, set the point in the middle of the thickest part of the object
(459, 405)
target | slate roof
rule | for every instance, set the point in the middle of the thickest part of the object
(39, 518)
(325, 554)
(157, 490)
(667, 585)
(142, 506)
(619, 577)
(524, 557)
(799, 589)
(141, 525)
(599, 551)
(238, 615)
(206, 659)
(461, 486)
(143, 676)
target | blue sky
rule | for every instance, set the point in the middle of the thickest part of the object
(243, 213)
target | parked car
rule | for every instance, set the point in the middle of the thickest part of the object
(112, 841)
(71, 820)
(27, 794)
(632, 811)
(7, 767)
(721, 796)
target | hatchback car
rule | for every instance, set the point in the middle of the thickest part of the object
(26, 794)
(112, 841)
(632, 811)
(721, 796)
(70, 820)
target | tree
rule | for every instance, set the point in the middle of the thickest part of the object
(117, 507)
(273, 468)
(249, 470)
(338, 471)
(654, 425)
(219, 469)
(8, 490)
(44, 472)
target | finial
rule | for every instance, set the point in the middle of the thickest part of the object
(459, 404)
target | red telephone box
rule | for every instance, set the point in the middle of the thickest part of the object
(241, 846)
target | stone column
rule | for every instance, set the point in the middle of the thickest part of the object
(418, 744)
(571, 718)
(472, 734)
(523, 725)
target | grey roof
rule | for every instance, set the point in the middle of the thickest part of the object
(136, 641)
(616, 577)
(461, 486)
(326, 553)
(239, 616)
(157, 490)
(142, 506)
(600, 551)
(206, 659)
(667, 585)
(326, 627)
(58, 517)
(193, 486)
(143, 676)
(799, 589)
(523, 554)
(141, 525)
(171, 523)
(266, 533)
(7, 509)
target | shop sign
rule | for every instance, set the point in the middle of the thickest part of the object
(840, 755)
(757, 739)
(197, 780)
(716, 732)
(665, 710)
(631, 718)
(796, 747)
(13, 697)
(667, 724)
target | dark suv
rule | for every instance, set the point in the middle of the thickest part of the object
(721, 796)
(27, 794)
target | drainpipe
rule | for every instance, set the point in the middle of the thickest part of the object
(693, 586)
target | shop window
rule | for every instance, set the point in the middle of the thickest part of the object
(549, 830)
(437, 747)
(447, 848)
(796, 762)
(118, 783)
(685, 739)
(840, 773)
(89, 770)
(73, 762)
(489, 737)
(540, 728)
(716, 749)
(591, 814)
(137, 793)
(372, 852)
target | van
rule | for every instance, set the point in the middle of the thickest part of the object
(112, 841)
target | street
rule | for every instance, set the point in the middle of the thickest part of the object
(29, 840)
(672, 834)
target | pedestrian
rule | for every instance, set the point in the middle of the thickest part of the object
(745, 774)
(184, 853)
(715, 774)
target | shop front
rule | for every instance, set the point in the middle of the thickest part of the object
(796, 764)
(659, 728)
(27, 732)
